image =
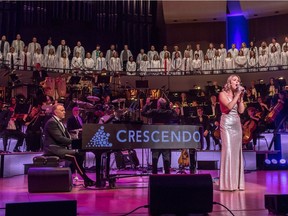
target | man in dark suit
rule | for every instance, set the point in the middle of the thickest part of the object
(162, 115)
(74, 123)
(57, 142)
(39, 74)
(204, 122)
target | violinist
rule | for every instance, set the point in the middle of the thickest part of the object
(250, 128)
(280, 110)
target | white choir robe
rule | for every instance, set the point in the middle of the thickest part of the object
(176, 66)
(50, 62)
(162, 53)
(144, 65)
(196, 65)
(284, 44)
(223, 54)
(211, 53)
(229, 65)
(89, 64)
(252, 64)
(6, 49)
(265, 49)
(273, 61)
(151, 54)
(77, 63)
(100, 64)
(109, 55)
(173, 54)
(241, 64)
(81, 51)
(234, 52)
(22, 59)
(16, 60)
(284, 60)
(115, 65)
(187, 65)
(263, 62)
(32, 47)
(95, 55)
(200, 53)
(190, 52)
(155, 66)
(47, 48)
(207, 66)
(217, 64)
(63, 64)
(131, 68)
(1, 57)
(129, 53)
(38, 58)
(166, 66)
(66, 49)
(18, 45)
(139, 58)
(278, 47)
(245, 52)
(255, 51)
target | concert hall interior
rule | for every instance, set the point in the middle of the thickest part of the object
(115, 105)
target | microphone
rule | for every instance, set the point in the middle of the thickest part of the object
(241, 88)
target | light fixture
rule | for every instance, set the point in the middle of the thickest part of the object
(282, 161)
(267, 161)
(274, 161)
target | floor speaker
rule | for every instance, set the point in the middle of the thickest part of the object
(277, 203)
(180, 194)
(55, 208)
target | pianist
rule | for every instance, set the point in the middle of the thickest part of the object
(162, 115)
(57, 141)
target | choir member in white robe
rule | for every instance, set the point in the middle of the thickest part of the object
(254, 49)
(25, 59)
(109, 53)
(162, 53)
(217, 63)
(252, 62)
(144, 65)
(229, 63)
(189, 51)
(223, 53)
(100, 62)
(51, 60)
(211, 51)
(63, 63)
(284, 57)
(12, 59)
(199, 52)
(63, 48)
(155, 65)
(263, 47)
(96, 52)
(18, 44)
(274, 59)
(176, 64)
(124, 56)
(166, 64)
(4, 47)
(206, 65)
(48, 47)
(241, 62)
(140, 57)
(33, 46)
(285, 43)
(263, 61)
(88, 63)
(187, 63)
(276, 44)
(196, 64)
(234, 51)
(79, 48)
(131, 66)
(114, 63)
(176, 49)
(77, 62)
(38, 57)
(245, 49)
(151, 53)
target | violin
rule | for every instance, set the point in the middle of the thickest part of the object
(183, 160)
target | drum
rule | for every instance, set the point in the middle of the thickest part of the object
(154, 94)
(61, 86)
(49, 86)
(131, 94)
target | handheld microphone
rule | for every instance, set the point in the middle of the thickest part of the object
(241, 88)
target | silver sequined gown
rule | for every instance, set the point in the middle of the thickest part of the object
(232, 168)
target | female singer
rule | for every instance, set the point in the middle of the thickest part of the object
(231, 104)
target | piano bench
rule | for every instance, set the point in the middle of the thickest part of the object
(46, 161)
(49, 179)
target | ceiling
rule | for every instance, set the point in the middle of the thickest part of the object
(208, 11)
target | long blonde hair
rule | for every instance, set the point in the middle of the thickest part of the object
(227, 86)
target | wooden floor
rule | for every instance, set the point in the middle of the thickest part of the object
(131, 193)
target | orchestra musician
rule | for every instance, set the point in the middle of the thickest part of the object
(57, 141)
(162, 115)
(75, 123)
(203, 120)
(280, 109)
(39, 74)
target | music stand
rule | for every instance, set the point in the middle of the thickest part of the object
(74, 80)
(103, 79)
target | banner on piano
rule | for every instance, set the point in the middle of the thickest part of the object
(126, 136)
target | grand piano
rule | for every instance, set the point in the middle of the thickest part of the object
(107, 138)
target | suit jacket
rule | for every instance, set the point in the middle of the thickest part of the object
(36, 76)
(204, 123)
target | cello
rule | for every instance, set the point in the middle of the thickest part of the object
(274, 112)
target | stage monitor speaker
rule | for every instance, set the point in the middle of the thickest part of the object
(180, 194)
(55, 208)
(277, 203)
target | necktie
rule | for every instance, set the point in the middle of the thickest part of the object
(25, 61)
(185, 64)
(12, 61)
(79, 122)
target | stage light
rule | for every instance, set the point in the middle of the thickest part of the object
(282, 161)
(267, 161)
(274, 161)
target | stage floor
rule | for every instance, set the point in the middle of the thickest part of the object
(131, 193)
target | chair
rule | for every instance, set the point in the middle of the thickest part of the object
(259, 138)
